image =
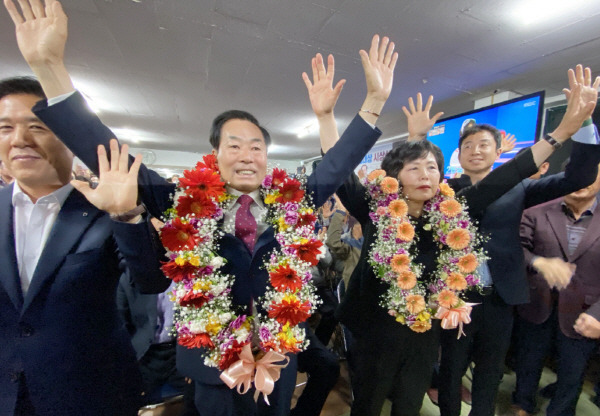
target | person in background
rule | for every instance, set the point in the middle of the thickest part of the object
(561, 242)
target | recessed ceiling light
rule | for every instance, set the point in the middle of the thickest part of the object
(529, 12)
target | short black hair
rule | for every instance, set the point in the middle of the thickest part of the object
(478, 128)
(406, 152)
(217, 125)
(21, 85)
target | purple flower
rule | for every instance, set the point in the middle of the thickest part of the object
(463, 224)
(238, 322)
(267, 182)
(290, 206)
(373, 216)
(291, 217)
(264, 334)
(288, 251)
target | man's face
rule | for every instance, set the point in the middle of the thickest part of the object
(32, 153)
(242, 155)
(478, 152)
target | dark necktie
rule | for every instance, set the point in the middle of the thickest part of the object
(245, 223)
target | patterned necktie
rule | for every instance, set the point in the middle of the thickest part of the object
(245, 223)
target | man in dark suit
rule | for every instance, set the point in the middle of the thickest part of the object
(488, 335)
(240, 145)
(63, 350)
(561, 243)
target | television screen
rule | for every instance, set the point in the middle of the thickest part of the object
(520, 116)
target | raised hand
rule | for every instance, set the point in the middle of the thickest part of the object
(117, 188)
(508, 143)
(581, 101)
(379, 66)
(41, 36)
(321, 92)
(419, 122)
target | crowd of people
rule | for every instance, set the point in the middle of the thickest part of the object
(123, 290)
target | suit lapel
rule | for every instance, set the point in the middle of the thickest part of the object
(265, 238)
(73, 219)
(591, 235)
(556, 218)
(9, 272)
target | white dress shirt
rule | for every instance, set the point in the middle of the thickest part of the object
(258, 211)
(32, 224)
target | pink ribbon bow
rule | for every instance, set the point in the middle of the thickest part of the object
(455, 317)
(264, 372)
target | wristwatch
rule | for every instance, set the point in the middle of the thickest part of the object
(552, 141)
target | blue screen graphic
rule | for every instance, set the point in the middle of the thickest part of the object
(520, 117)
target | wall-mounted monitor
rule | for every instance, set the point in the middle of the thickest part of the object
(520, 116)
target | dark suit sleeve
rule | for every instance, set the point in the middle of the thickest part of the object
(527, 231)
(498, 182)
(141, 253)
(123, 304)
(580, 172)
(341, 160)
(82, 131)
(353, 195)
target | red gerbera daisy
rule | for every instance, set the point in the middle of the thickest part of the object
(231, 355)
(306, 219)
(197, 204)
(279, 176)
(178, 273)
(290, 312)
(309, 251)
(290, 191)
(285, 278)
(203, 180)
(208, 161)
(195, 341)
(177, 235)
(197, 299)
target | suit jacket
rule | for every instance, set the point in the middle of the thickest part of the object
(502, 218)
(71, 120)
(544, 233)
(360, 308)
(64, 339)
(138, 312)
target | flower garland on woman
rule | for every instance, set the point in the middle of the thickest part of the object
(410, 299)
(204, 314)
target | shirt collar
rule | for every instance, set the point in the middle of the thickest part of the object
(59, 196)
(589, 211)
(255, 195)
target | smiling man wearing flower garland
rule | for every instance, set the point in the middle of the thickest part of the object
(238, 321)
(419, 256)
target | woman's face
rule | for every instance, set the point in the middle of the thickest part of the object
(420, 178)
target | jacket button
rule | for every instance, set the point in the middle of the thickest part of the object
(26, 331)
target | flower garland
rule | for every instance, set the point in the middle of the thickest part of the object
(205, 316)
(409, 299)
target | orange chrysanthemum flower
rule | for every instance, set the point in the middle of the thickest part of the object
(178, 235)
(456, 281)
(458, 239)
(290, 312)
(406, 280)
(208, 161)
(376, 173)
(285, 278)
(309, 251)
(415, 304)
(467, 263)
(450, 208)
(203, 181)
(195, 341)
(446, 190)
(447, 299)
(398, 208)
(405, 231)
(389, 185)
(400, 263)
(421, 326)
(290, 191)
(199, 205)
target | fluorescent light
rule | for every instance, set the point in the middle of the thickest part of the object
(529, 12)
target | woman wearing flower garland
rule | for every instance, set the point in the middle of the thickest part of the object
(420, 254)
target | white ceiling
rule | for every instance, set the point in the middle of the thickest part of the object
(166, 68)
